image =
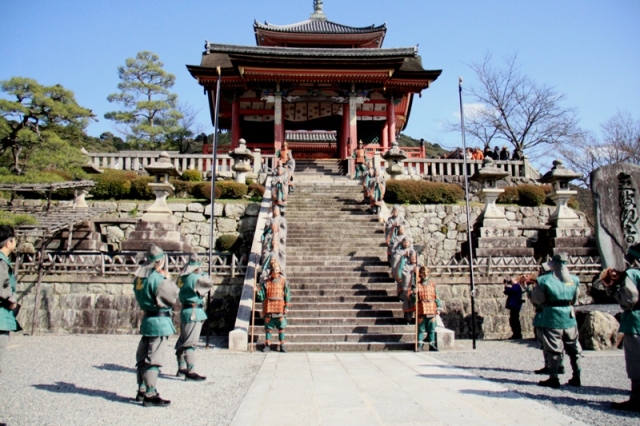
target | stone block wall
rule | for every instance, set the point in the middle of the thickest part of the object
(442, 229)
(106, 305)
(492, 318)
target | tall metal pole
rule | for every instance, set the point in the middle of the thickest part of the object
(466, 197)
(213, 183)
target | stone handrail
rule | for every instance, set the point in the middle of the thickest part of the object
(441, 167)
(239, 336)
(137, 160)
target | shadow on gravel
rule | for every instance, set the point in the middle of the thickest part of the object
(115, 367)
(494, 394)
(603, 406)
(64, 387)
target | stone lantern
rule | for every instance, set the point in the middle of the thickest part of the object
(488, 176)
(559, 177)
(161, 169)
(241, 161)
(394, 158)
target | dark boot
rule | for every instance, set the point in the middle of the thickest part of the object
(140, 396)
(433, 347)
(181, 372)
(194, 377)
(575, 381)
(282, 348)
(561, 369)
(544, 370)
(155, 401)
(551, 382)
(630, 405)
(266, 348)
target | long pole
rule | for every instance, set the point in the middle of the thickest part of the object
(213, 180)
(466, 197)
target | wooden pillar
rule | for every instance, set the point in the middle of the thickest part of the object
(391, 120)
(278, 122)
(235, 123)
(344, 139)
(353, 123)
(385, 136)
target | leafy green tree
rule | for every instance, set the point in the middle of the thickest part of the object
(38, 118)
(150, 110)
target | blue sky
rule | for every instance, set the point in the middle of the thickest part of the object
(588, 49)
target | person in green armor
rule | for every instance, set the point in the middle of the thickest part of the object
(360, 156)
(279, 189)
(407, 268)
(275, 296)
(528, 283)
(558, 292)
(428, 304)
(377, 187)
(8, 304)
(624, 286)
(194, 284)
(156, 294)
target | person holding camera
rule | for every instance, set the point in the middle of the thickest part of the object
(624, 286)
(513, 290)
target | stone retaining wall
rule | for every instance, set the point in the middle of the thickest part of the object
(442, 229)
(89, 304)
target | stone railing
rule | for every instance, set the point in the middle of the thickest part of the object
(120, 263)
(137, 160)
(239, 336)
(505, 267)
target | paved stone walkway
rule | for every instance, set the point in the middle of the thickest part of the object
(381, 388)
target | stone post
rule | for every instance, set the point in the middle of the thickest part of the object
(242, 161)
(394, 158)
(559, 177)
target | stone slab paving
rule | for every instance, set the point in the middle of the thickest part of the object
(381, 388)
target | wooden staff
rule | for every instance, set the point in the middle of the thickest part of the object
(417, 302)
(253, 311)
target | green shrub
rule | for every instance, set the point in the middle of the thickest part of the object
(256, 190)
(203, 190)
(191, 176)
(530, 195)
(184, 189)
(573, 203)
(232, 190)
(140, 189)
(14, 219)
(509, 196)
(113, 184)
(228, 242)
(422, 192)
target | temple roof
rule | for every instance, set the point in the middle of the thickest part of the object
(310, 52)
(314, 26)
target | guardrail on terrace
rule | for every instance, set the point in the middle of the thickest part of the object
(120, 263)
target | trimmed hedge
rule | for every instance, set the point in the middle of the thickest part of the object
(16, 219)
(191, 176)
(422, 192)
(203, 190)
(113, 184)
(256, 190)
(232, 190)
(523, 195)
(228, 242)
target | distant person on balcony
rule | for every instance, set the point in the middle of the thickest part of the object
(518, 155)
(361, 159)
(477, 155)
(8, 303)
(496, 152)
(194, 284)
(505, 154)
(469, 154)
(488, 153)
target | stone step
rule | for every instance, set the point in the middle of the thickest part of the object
(345, 321)
(338, 280)
(358, 307)
(324, 299)
(345, 313)
(341, 329)
(341, 346)
(294, 337)
(345, 287)
(343, 292)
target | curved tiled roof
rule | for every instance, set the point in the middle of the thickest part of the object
(310, 52)
(315, 26)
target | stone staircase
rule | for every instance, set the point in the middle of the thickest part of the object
(343, 296)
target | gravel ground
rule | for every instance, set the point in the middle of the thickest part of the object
(511, 363)
(90, 379)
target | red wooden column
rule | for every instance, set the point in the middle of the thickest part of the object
(278, 123)
(391, 120)
(344, 138)
(385, 136)
(235, 123)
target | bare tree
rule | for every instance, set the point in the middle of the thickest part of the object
(184, 137)
(517, 110)
(619, 142)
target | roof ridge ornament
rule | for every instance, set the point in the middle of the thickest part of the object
(318, 14)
